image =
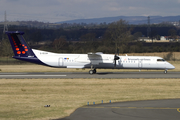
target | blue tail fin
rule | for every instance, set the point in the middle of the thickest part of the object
(21, 49)
(19, 46)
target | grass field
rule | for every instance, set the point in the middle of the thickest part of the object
(23, 99)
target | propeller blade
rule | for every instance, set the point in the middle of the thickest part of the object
(115, 58)
(118, 51)
(114, 63)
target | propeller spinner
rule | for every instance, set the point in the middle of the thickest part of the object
(115, 58)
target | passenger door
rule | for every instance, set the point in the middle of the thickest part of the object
(61, 62)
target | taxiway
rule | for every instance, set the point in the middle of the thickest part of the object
(134, 110)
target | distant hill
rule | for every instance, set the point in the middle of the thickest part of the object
(130, 19)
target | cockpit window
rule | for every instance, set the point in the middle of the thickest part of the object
(162, 60)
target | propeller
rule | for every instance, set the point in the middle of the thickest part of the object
(116, 58)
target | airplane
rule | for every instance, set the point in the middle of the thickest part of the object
(90, 60)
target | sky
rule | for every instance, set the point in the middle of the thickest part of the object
(62, 10)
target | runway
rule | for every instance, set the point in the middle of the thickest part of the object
(136, 110)
(84, 75)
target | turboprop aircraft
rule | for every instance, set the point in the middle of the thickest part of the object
(90, 60)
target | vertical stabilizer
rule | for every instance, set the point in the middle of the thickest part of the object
(21, 49)
(19, 46)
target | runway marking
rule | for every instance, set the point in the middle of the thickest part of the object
(115, 107)
(31, 75)
(132, 107)
(150, 108)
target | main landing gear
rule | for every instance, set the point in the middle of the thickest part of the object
(165, 72)
(92, 71)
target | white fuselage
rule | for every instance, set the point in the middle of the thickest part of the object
(105, 61)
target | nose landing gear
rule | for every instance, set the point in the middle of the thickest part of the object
(165, 72)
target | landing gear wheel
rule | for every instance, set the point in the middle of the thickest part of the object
(91, 72)
(165, 72)
(94, 71)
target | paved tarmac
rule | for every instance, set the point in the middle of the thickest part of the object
(44, 75)
(136, 110)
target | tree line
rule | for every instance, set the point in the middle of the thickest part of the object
(111, 38)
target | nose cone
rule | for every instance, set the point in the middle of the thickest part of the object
(171, 66)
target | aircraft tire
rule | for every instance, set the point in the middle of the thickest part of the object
(165, 72)
(91, 72)
(94, 71)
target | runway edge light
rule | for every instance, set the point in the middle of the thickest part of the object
(47, 106)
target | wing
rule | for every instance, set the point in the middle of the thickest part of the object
(95, 58)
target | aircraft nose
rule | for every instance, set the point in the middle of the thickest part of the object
(171, 66)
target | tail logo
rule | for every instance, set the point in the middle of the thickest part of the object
(17, 48)
(19, 45)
